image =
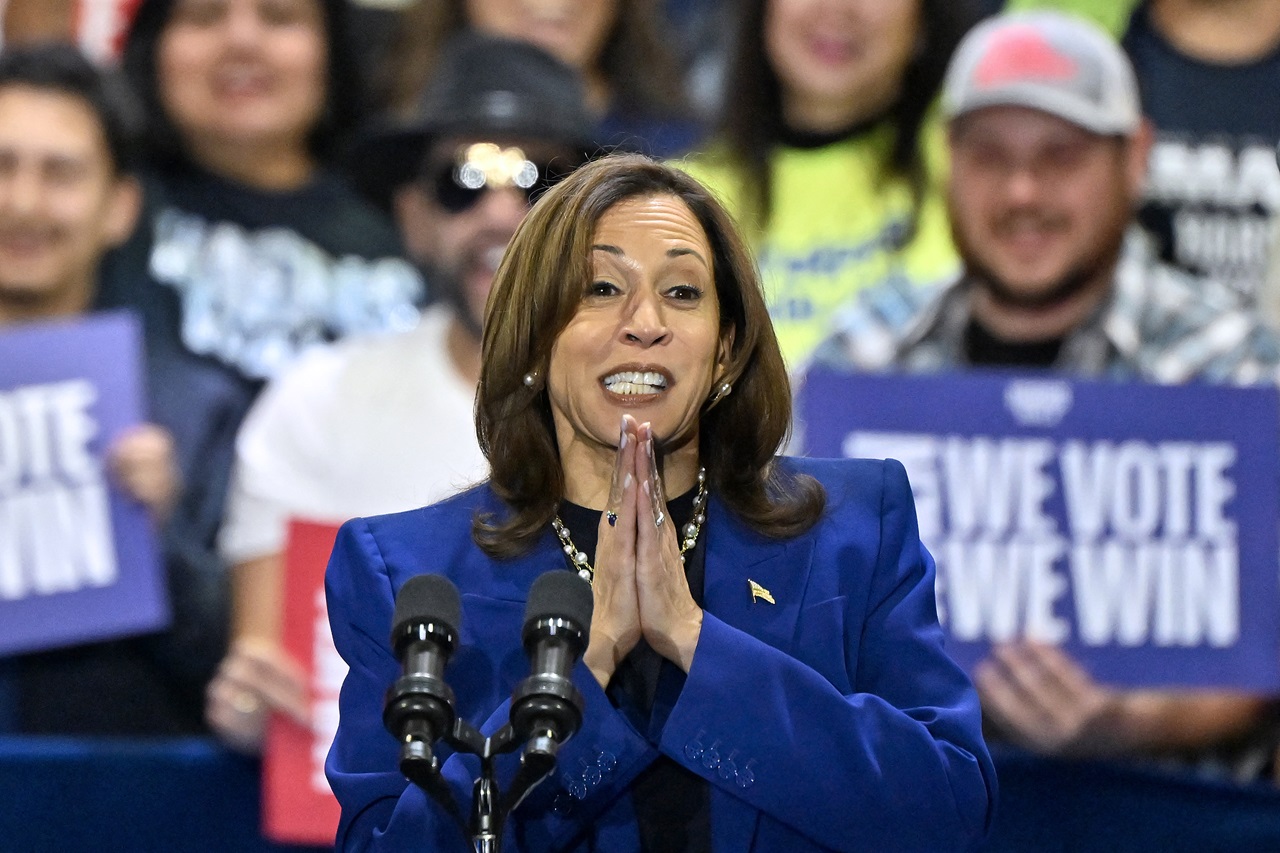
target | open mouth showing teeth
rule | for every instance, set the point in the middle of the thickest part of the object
(636, 382)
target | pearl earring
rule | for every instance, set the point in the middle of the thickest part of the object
(723, 391)
(530, 378)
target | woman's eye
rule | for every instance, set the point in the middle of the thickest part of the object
(685, 292)
(602, 288)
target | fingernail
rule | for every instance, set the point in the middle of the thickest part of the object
(627, 481)
(644, 486)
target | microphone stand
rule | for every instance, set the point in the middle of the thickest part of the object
(546, 710)
(489, 805)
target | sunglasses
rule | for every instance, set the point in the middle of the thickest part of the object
(459, 185)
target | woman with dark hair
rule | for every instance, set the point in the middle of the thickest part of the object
(252, 249)
(764, 668)
(828, 154)
(622, 49)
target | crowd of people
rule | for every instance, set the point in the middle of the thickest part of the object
(308, 202)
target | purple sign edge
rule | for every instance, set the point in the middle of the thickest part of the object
(831, 405)
(105, 348)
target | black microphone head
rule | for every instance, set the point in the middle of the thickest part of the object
(560, 594)
(426, 598)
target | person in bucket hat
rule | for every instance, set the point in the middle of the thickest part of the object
(384, 424)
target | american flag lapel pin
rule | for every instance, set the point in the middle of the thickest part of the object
(759, 593)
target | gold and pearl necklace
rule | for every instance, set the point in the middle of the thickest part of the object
(690, 532)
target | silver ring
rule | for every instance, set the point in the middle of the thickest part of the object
(244, 702)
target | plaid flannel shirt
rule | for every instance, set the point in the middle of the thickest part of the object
(1159, 324)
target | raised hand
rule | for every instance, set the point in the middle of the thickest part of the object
(615, 622)
(669, 617)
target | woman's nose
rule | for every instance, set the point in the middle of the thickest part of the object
(645, 324)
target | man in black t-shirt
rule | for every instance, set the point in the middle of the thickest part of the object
(1209, 75)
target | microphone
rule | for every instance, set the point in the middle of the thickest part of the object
(420, 705)
(546, 707)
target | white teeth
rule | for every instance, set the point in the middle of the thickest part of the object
(635, 382)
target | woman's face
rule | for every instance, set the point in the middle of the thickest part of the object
(839, 61)
(243, 71)
(573, 31)
(646, 337)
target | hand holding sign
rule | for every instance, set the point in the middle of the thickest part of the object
(256, 678)
(144, 463)
(1041, 699)
(1106, 552)
(77, 563)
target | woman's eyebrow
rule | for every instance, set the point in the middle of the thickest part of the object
(678, 252)
(681, 251)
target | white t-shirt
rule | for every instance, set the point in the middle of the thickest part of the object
(364, 427)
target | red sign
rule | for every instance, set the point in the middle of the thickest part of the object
(297, 805)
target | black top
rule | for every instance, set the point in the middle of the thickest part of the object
(983, 349)
(1213, 188)
(672, 804)
(250, 278)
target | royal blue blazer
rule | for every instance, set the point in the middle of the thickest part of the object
(829, 719)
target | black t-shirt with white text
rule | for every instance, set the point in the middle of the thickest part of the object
(1213, 186)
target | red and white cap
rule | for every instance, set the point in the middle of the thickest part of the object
(1048, 61)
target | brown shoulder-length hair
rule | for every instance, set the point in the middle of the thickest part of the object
(638, 40)
(537, 290)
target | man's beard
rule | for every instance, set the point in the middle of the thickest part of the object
(447, 286)
(1076, 280)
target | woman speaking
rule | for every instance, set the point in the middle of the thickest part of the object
(765, 669)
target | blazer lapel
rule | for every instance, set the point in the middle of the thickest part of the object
(744, 570)
(511, 579)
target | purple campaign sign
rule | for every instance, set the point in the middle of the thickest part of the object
(78, 559)
(1134, 525)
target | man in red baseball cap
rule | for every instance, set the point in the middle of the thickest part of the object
(1048, 157)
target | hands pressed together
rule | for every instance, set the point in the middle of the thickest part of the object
(639, 584)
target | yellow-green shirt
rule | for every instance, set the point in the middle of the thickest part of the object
(1111, 15)
(833, 229)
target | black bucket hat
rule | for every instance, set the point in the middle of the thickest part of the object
(483, 86)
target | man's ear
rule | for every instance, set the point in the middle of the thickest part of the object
(124, 206)
(1139, 153)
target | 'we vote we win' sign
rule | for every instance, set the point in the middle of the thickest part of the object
(1133, 525)
(78, 559)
